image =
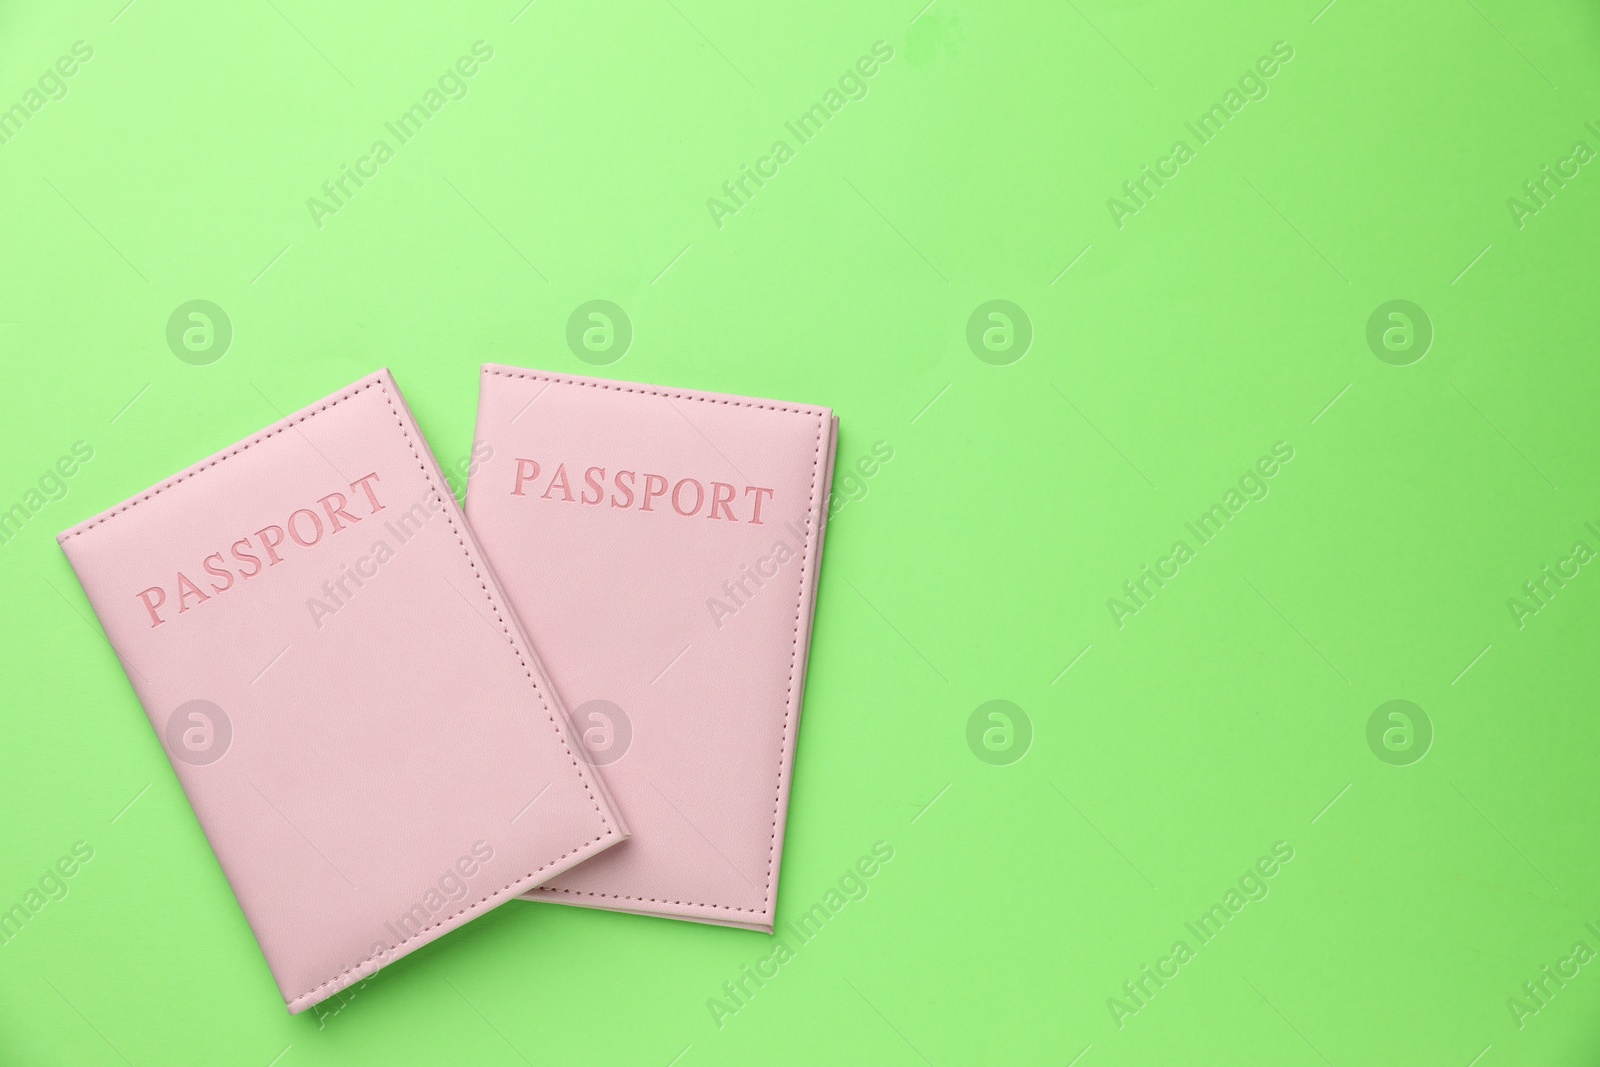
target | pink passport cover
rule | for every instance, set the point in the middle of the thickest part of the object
(662, 546)
(365, 735)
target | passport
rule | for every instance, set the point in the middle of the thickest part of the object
(661, 546)
(366, 737)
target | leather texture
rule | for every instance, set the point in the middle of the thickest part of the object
(661, 547)
(370, 773)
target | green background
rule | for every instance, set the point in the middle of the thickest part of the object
(1167, 754)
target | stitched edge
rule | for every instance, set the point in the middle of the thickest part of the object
(429, 478)
(651, 390)
(648, 900)
(150, 494)
(445, 494)
(786, 749)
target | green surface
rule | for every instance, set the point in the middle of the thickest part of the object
(1175, 341)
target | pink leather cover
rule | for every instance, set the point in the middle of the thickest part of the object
(661, 546)
(363, 732)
